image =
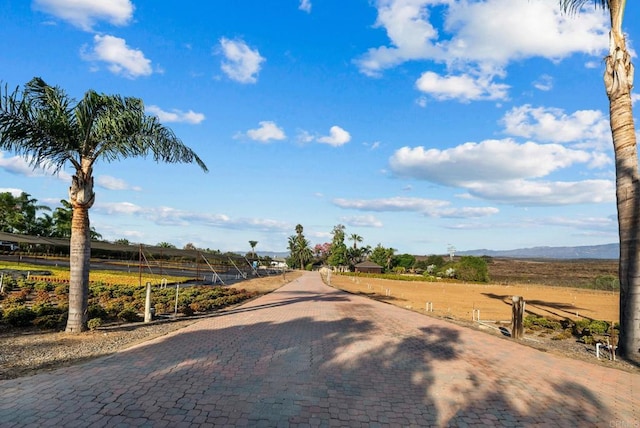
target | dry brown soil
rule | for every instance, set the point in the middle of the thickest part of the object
(493, 301)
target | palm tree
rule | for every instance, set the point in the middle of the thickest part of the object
(618, 81)
(51, 130)
(299, 248)
(253, 247)
(355, 238)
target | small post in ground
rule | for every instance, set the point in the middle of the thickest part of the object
(147, 304)
(517, 317)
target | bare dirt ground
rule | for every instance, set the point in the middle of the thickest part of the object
(545, 286)
(492, 301)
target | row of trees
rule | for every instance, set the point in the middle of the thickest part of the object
(339, 255)
(23, 215)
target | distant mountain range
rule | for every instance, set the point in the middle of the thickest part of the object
(607, 251)
(604, 252)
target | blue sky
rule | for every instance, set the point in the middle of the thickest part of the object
(417, 124)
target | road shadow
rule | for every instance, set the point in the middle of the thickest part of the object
(358, 363)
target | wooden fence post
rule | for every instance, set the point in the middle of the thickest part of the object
(517, 317)
(147, 304)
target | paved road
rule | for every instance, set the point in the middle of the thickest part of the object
(309, 355)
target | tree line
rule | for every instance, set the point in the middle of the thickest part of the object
(340, 256)
(23, 215)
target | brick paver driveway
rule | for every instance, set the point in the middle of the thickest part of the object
(310, 355)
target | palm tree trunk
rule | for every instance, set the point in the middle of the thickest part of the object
(628, 200)
(81, 197)
(618, 79)
(79, 261)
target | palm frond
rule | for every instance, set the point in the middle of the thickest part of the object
(574, 6)
(36, 124)
(43, 124)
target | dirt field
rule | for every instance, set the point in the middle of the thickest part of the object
(529, 279)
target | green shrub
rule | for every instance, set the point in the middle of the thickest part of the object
(96, 311)
(581, 326)
(45, 308)
(61, 290)
(565, 334)
(129, 315)
(18, 316)
(606, 282)
(186, 310)
(94, 323)
(534, 322)
(50, 321)
(598, 327)
(471, 268)
(588, 340)
(43, 286)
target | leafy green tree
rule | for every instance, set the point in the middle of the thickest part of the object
(45, 125)
(122, 241)
(338, 256)
(406, 261)
(299, 249)
(618, 82)
(19, 214)
(62, 220)
(470, 268)
(164, 244)
(9, 215)
(382, 256)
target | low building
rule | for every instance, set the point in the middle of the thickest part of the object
(368, 267)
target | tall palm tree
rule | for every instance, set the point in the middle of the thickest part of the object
(50, 129)
(355, 238)
(618, 82)
(299, 248)
(253, 247)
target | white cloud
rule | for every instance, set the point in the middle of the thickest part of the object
(86, 13)
(490, 160)
(464, 87)
(176, 116)
(241, 63)
(500, 31)
(121, 59)
(428, 207)
(14, 192)
(544, 83)
(536, 193)
(304, 136)
(112, 183)
(582, 128)
(305, 5)
(126, 208)
(337, 137)
(168, 216)
(507, 172)
(361, 221)
(268, 131)
(478, 40)
(21, 166)
(635, 97)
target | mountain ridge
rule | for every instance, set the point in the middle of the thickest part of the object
(605, 252)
